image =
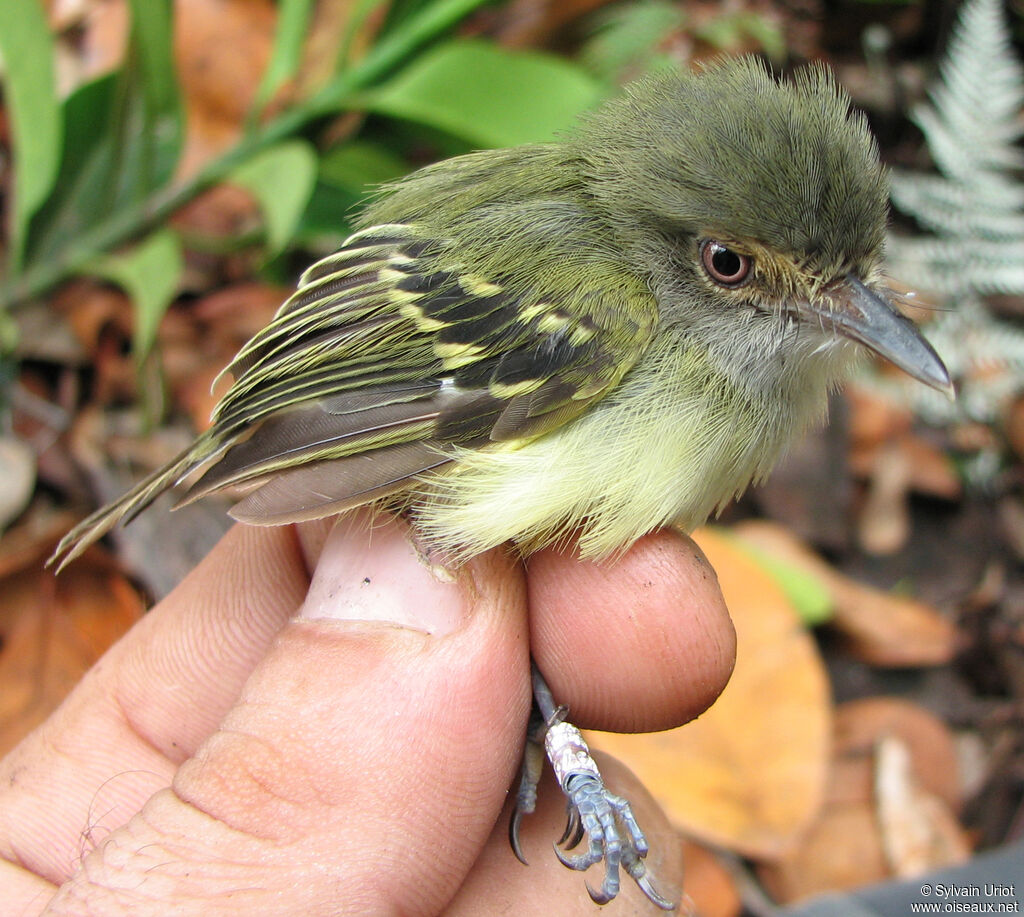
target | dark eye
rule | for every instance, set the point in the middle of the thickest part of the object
(724, 266)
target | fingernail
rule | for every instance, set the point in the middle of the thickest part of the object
(370, 570)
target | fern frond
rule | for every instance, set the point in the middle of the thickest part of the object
(974, 214)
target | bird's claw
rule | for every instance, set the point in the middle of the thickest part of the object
(573, 832)
(614, 837)
(606, 820)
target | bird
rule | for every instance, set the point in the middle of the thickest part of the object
(577, 341)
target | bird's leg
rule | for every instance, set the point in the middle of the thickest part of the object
(606, 820)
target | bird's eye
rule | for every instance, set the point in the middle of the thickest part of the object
(725, 267)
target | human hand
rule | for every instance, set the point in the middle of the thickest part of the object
(228, 756)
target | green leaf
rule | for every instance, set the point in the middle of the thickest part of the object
(626, 39)
(358, 14)
(121, 217)
(486, 94)
(808, 594)
(361, 164)
(347, 174)
(281, 179)
(123, 139)
(30, 90)
(292, 23)
(153, 87)
(149, 273)
(152, 31)
(730, 31)
(81, 191)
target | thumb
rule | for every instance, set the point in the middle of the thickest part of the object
(381, 728)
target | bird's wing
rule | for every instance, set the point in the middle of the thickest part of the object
(389, 353)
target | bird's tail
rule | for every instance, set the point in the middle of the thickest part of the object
(128, 506)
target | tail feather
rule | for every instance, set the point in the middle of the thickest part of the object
(125, 508)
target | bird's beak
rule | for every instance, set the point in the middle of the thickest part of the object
(862, 315)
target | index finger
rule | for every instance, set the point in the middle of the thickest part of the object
(637, 644)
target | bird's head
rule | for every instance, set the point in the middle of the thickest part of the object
(759, 209)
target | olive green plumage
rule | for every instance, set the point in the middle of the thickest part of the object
(593, 337)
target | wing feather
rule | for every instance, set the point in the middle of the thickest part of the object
(407, 345)
(314, 491)
(391, 352)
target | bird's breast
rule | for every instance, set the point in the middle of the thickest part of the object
(673, 443)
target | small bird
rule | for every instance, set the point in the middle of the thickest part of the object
(585, 339)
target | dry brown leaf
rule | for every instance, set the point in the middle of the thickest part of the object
(91, 307)
(222, 48)
(54, 630)
(861, 724)
(874, 420)
(708, 883)
(33, 537)
(1015, 427)
(885, 814)
(880, 628)
(197, 344)
(877, 424)
(841, 851)
(237, 312)
(883, 524)
(17, 478)
(894, 469)
(932, 471)
(749, 774)
(91, 40)
(919, 833)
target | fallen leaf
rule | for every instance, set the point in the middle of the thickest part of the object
(841, 851)
(880, 628)
(1015, 428)
(883, 524)
(932, 471)
(93, 39)
(708, 883)
(197, 343)
(891, 793)
(893, 470)
(861, 724)
(874, 419)
(221, 48)
(90, 307)
(919, 833)
(54, 629)
(17, 478)
(31, 539)
(748, 775)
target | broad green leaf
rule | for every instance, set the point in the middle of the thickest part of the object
(82, 190)
(31, 96)
(809, 596)
(149, 273)
(153, 33)
(486, 94)
(357, 17)
(152, 86)
(730, 32)
(123, 135)
(326, 221)
(281, 179)
(347, 173)
(361, 164)
(292, 24)
(628, 36)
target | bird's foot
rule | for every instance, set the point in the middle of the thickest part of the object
(595, 813)
(607, 822)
